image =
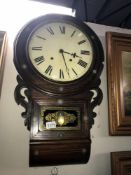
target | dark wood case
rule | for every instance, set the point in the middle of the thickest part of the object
(65, 145)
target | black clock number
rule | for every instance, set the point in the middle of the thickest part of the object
(49, 70)
(39, 60)
(82, 63)
(81, 42)
(40, 37)
(37, 48)
(74, 71)
(85, 52)
(61, 74)
(49, 29)
(73, 33)
(62, 29)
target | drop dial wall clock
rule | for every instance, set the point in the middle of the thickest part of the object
(59, 60)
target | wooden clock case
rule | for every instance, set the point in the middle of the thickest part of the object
(63, 145)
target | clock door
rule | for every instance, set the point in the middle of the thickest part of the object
(60, 133)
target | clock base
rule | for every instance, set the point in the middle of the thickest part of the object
(59, 152)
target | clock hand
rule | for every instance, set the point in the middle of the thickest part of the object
(72, 54)
(67, 70)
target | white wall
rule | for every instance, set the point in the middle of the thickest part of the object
(14, 138)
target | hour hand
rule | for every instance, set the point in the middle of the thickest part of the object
(72, 54)
(62, 51)
(75, 55)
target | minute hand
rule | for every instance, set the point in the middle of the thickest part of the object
(67, 70)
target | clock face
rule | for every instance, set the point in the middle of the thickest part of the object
(60, 51)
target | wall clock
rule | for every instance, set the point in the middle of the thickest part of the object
(59, 60)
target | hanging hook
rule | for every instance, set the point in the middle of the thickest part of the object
(54, 171)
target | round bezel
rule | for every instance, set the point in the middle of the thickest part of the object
(64, 21)
(32, 76)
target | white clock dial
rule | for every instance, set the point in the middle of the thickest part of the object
(60, 51)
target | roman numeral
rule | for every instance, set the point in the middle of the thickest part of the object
(49, 29)
(81, 42)
(82, 63)
(40, 37)
(73, 33)
(37, 48)
(61, 74)
(74, 71)
(85, 52)
(49, 70)
(62, 29)
(39, 60)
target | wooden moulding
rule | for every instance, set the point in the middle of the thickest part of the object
(3, 46)
(121, 163)
(119, 82)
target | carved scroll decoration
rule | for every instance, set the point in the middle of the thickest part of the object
(23, 100)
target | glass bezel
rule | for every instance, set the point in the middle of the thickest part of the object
(66, 21)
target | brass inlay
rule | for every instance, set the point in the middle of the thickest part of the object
(66, 118)
(61, 117)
